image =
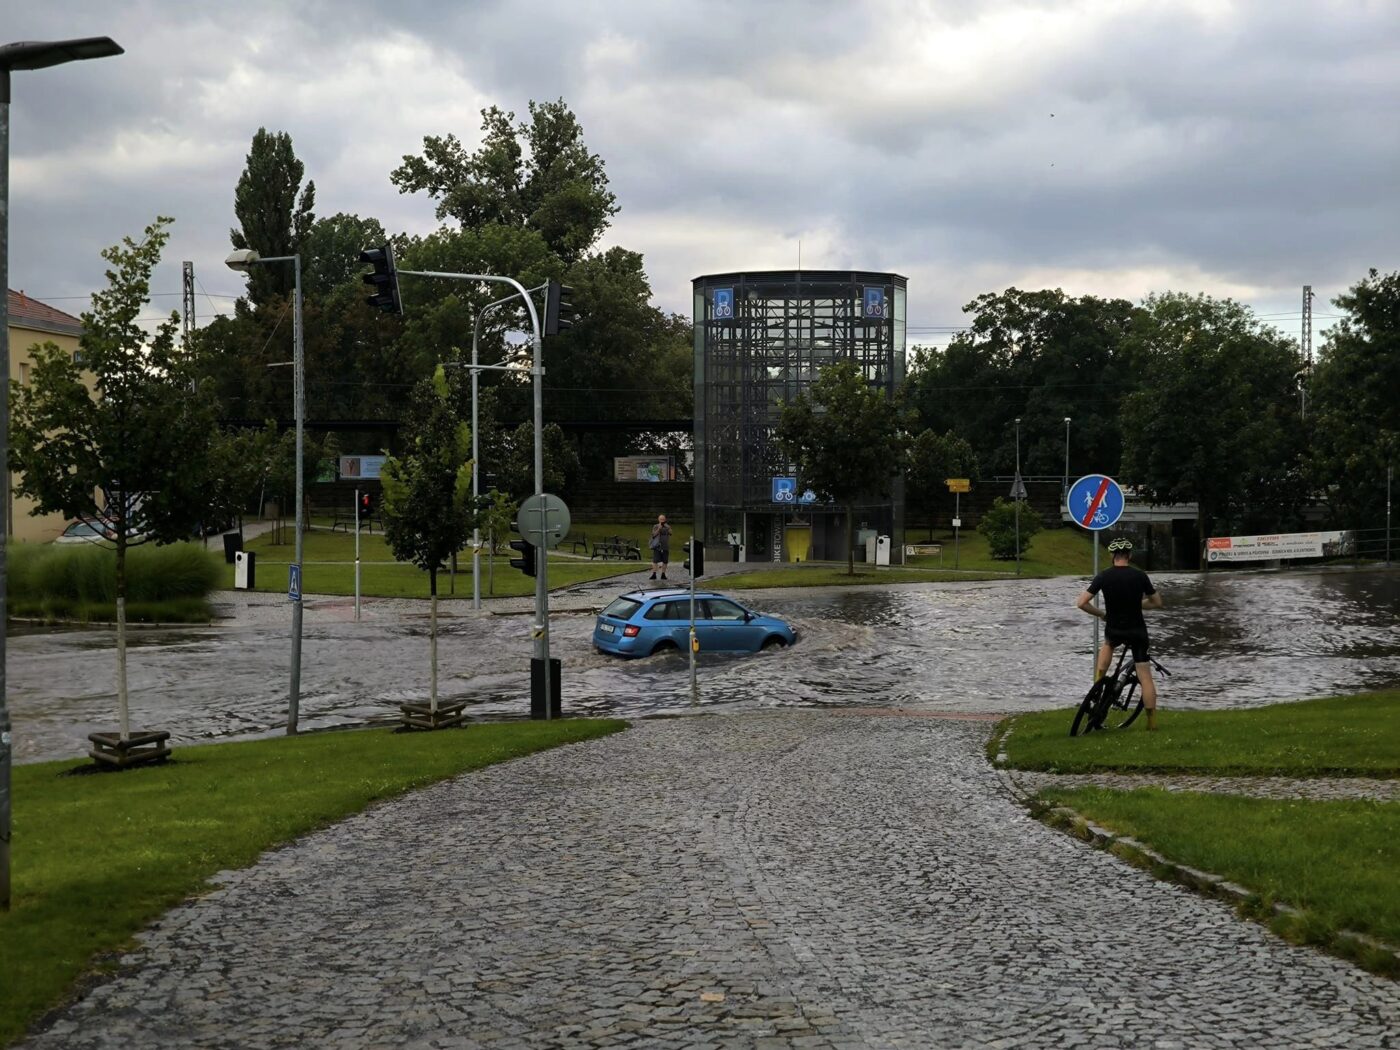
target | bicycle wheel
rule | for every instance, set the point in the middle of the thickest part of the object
(1126, 708)
(1113, 686)
(1083, 718)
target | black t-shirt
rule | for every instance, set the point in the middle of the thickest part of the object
(1124, 588)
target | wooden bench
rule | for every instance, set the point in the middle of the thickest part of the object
(575, 540)
(616, 547)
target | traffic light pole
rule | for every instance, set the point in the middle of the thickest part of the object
(540, 630)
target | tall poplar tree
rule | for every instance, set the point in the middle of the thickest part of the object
(274, 211)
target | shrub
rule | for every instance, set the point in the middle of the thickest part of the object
(999, 526)
(86, 573)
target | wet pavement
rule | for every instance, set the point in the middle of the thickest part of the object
(771, 881)
(1230, 640)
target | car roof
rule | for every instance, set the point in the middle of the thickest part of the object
(646, 596)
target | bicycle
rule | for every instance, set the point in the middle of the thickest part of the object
(1113, 702)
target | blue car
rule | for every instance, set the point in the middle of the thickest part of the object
(641, 623)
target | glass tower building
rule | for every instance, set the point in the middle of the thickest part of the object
(761, 338)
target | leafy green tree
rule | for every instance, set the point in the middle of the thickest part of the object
(427, 504)
(330, 253)
(537, 174)
(1004, 531)
(1038, 355)
(512, 454)
(932, 459)
(843, 435)
(497, 514)
(274, 211)
(1215, 416)
(132, 454)
(1354, 410)
(242, 462)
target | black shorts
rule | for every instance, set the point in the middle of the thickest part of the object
(661, 555)
(1135, 640)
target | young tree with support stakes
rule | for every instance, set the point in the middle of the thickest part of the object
(843, 435)
(427, 502)
(131, 455)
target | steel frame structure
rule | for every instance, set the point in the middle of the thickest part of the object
(782, 329)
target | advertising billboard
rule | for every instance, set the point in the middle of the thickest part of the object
(1282, 545)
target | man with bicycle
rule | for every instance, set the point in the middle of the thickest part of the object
(1126, 592)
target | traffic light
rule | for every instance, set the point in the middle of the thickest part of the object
(559, 310)
(526, 562)
(695, 556)
(385, 279)
(366, 504)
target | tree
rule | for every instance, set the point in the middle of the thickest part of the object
(1353, 412)
(427, 504)
(538, 175)
(1008, 534)
(843, 435)
(131, 455)
(512, 453)
(273, 219)
(330, 253)
(242, 463)
(1038, 355)
(497, 515)
(1215, 416)
(931, 461)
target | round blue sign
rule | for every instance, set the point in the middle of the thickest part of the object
(1095, 502)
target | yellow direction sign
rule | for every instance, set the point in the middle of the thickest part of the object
(958, 484)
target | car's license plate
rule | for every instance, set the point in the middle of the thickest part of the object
(606, 628)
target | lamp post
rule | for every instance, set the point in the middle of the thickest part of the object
(1064, 485)
(28, 54)
(244, 261)
(1016, 494)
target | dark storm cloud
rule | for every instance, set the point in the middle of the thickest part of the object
(1229, 148)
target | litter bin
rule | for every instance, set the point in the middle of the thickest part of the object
(233, 543)
(244, 565)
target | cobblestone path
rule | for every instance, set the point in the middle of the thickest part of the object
(786, 879)
(1315, 788)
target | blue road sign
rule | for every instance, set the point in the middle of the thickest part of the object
(874, 307)
(294, 583)
(784, 490)
(808, 496)
(722, 304)
(1095, 501)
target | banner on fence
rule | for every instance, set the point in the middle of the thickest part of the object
(361, 466)
(1280, 546)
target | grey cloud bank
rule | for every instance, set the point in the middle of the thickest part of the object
(1111, 148)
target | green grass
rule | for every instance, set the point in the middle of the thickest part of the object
(96, 858)
(825, 575)
(1344, 735)
(1336, 861)
(329, 568)
(1356, 735)
(1064, 551)
(65, 610)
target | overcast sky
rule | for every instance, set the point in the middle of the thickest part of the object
(1108, 147)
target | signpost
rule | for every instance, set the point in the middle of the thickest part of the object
(957, 486)
(1096, 502)
(294, 583)
(543, 520)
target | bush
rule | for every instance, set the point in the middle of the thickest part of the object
(999, 526)
(68, 576)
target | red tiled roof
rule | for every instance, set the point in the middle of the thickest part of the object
(30, 313)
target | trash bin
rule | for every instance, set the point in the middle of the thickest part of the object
(882, 550)
(233, 543)
(244, 565)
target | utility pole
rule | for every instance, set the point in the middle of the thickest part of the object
(188, 303)
(1305, 345)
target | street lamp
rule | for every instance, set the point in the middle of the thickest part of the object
(1016, 490)
(1064, 485)
(243, 261)
(28, 54)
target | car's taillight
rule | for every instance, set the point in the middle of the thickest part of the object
(631, 631)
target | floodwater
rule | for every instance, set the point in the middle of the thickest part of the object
(1234, 640)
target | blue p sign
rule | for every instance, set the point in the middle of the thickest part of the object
(722, 304)
(875, 303)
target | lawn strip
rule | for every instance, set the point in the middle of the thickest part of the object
(1334, 862)
(98, 857)
(1356, 735)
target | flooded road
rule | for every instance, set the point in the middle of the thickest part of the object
(1230, 640)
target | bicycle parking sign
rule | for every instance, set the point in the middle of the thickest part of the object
(1095, 501)
(722, 307)
(784, 490)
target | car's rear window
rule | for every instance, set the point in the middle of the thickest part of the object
(622, 608)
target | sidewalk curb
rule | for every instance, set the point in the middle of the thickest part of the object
(1374, 955)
